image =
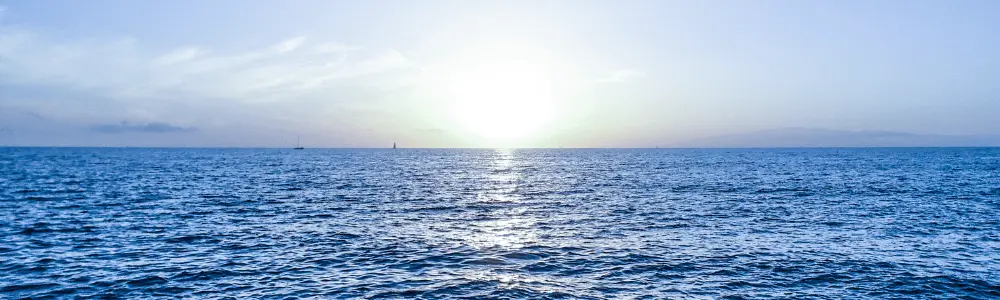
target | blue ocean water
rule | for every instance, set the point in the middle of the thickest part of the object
(590, 224)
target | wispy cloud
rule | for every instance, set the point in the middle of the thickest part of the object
(99, 80)
(154, 127)
(289, 44)
(331, 47)
(121, 68)
(178, 56)
(622, 76)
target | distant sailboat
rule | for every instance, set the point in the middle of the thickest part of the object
(393, 145)
(298, 145)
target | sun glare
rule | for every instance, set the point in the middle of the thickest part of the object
(502, 101)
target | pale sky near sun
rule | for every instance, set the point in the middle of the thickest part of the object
(489, 73)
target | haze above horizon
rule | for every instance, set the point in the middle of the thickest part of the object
(544, 74)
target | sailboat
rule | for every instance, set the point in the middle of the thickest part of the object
(298, 145)
(393, 145)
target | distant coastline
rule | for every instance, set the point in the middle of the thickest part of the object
(827, 138)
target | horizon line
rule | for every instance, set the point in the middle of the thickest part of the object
(493, 148)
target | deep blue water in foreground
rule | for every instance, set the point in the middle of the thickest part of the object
(325, 223)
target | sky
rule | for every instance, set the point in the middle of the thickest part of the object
(230, 73)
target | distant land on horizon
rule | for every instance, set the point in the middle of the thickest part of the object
(815, 137)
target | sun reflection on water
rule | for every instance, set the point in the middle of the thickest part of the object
(508, 234)
(506, 225)
(502, 178)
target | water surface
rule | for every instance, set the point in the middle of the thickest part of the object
(409, 223)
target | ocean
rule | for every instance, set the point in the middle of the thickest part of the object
(836, 223)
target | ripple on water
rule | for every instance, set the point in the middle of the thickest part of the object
(555, 224)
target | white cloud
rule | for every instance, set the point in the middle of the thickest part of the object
(179, 55)
(622, 76)
(289, 44)
(335, 48)
(295, 85)
(123, 69)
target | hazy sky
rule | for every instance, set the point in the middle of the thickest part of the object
(483, 73)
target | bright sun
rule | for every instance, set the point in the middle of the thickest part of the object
(502, 100)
